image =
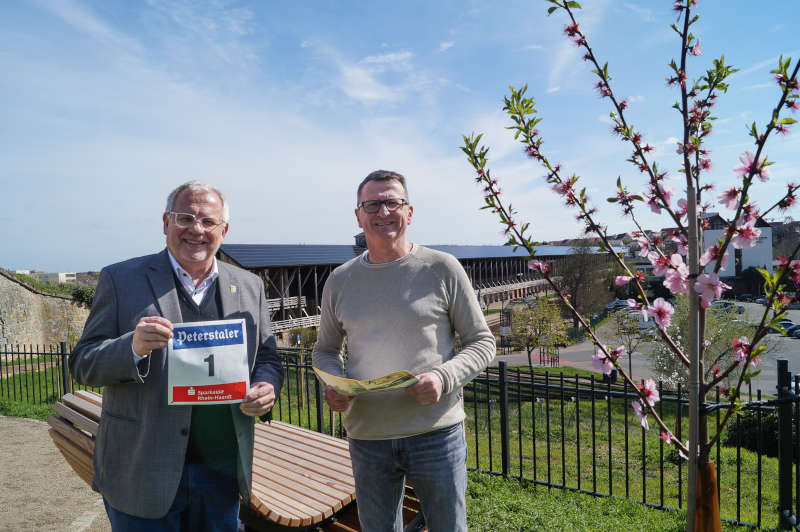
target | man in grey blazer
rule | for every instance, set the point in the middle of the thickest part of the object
(162, 467)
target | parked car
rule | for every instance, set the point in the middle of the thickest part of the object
(791, 329)
(727, 306)
(760, 300)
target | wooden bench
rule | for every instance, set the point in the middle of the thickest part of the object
(302, 480)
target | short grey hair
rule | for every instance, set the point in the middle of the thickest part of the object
(197, 185)
(382, 175)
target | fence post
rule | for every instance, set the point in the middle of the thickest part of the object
(319, 402)
(784, 446)
(65, 389)
(503, 418)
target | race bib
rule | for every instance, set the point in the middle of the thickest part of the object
(207, 363)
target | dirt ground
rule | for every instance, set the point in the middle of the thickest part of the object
(38, 489)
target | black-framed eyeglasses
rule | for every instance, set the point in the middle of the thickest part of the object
(185, 220)
(373, 206)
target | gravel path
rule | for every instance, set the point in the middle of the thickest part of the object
(38, 489)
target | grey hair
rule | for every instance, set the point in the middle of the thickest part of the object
(197, 185)
(382, 175)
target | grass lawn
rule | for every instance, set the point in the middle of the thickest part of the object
(601, 447)
(498, 505)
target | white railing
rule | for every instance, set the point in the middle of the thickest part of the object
(295, 323)
(288, 302)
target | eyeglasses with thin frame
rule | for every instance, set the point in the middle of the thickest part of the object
(184, 220)
(373, 206)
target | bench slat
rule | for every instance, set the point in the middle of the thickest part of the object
(88, 409)
(332, 471)
(72, 433)
(76, 417)
(280, 512)
(302, 506)
(92, 397)
(308, 444)
(310, 488)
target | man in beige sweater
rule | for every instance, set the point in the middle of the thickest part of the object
(400, 305)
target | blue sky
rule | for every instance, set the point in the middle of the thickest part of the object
(286, 106)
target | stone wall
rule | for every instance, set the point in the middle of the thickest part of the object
(28, 316)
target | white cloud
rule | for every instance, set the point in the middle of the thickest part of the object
(398, 60)
(361, 85)
(644, 13)
(758, 86)
(605, 119)
(551, 90)
(446, 45)
(84, 21)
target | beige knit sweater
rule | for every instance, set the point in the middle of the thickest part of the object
(402, 315)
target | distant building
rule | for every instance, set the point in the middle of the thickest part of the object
(57, 277)
(30, 273)
(87, 278)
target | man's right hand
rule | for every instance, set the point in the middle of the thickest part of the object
(152, 332)
(337, 401)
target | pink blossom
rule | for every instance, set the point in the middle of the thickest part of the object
(666, 437)
(682, 241)
(676, 279)
(652, 201)
(747, 166)
(540, 266)
(683, 208)
(666, 192)
(622, 280)
(563, 187)
(709, 287)
(644, 247)
(750, 213)
(641, 413)
(659, 262)
(638, 307)
(730, 198)
(649, 392)
(746, 236)
(696, 49)
(661, 312)
(602, 363)
(741, 349)
(712, 254)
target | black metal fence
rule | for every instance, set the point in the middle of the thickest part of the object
(554, 430)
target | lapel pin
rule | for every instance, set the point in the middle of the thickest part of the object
(233, 288)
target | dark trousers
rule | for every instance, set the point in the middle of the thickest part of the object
(206, 501)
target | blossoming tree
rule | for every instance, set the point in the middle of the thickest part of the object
(691, 270)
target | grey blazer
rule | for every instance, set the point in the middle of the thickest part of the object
(141, 443)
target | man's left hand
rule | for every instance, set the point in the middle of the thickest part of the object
(259, 399)
(428, 390)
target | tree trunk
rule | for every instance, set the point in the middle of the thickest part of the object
(707, 509)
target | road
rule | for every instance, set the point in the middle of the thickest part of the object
(580, 355)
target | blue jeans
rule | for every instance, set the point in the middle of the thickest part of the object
(434, 463)
(206, 501)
